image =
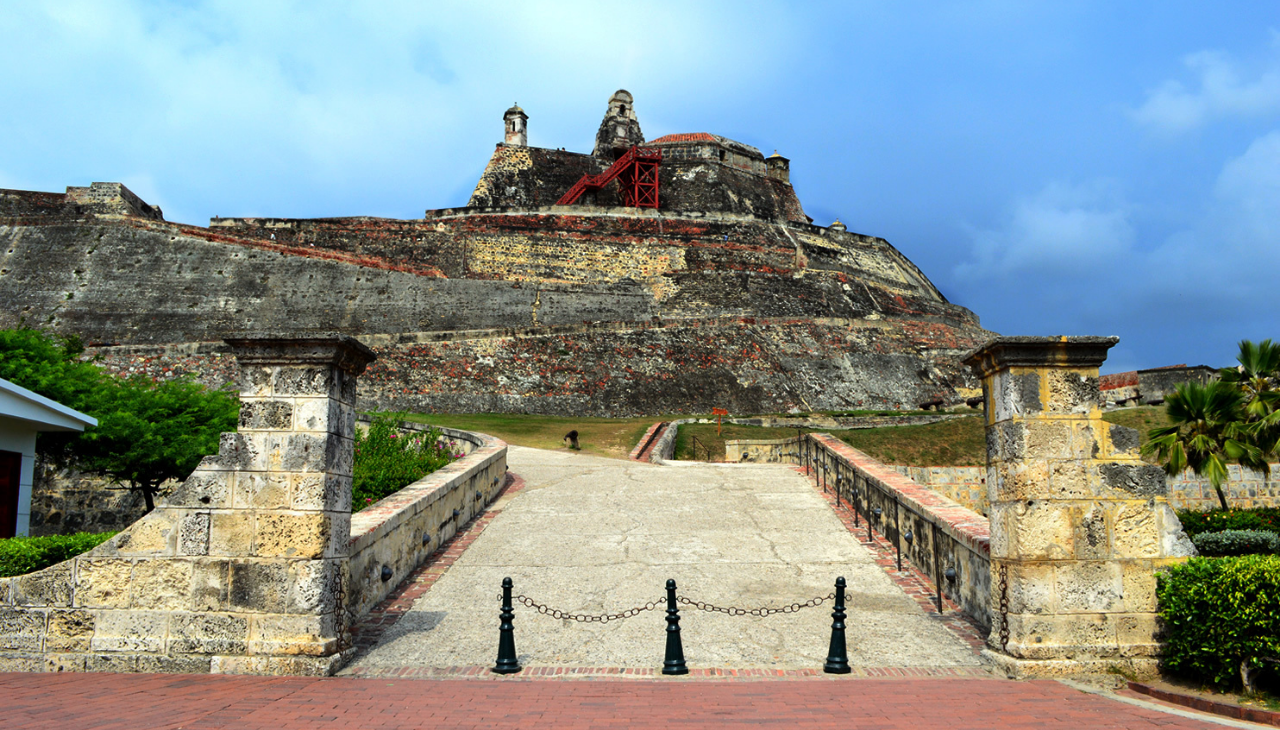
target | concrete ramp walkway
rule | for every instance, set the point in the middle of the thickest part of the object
(591, 535)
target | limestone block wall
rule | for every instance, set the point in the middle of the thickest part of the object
(1244, 488)
(246, 567)
(946, 536)
(966, 485)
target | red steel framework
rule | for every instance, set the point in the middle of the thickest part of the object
(637, 175)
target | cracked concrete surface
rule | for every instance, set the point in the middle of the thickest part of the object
(592, 535)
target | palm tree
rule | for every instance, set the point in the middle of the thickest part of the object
(1258, 379)
(1207, 432)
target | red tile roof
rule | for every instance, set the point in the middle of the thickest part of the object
(693, 137)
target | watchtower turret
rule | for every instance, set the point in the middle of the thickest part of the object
(779, 167)
(517, 123)
(620, 129)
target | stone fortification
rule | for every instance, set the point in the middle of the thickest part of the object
(726, 295)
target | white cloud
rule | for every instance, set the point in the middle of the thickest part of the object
(1220, 89)
(322, 107)
(1063, 228)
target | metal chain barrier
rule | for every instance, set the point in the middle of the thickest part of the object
(760, 611)
(604, 618)
(1004, 607)
(601, 618)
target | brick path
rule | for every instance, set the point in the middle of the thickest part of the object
(130, 702)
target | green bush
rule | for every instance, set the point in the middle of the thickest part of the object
(1222, 618)
(1237, 542)
(1217, 520)
(387, 461)
(21, 555)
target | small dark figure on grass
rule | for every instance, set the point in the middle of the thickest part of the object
(571, 440)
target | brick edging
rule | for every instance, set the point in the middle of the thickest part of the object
(1265, 717)
(655, 673)
(639, 453)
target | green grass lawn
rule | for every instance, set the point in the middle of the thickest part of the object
(612, 437)
(957, 442)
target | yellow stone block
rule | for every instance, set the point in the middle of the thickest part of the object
(103, 582)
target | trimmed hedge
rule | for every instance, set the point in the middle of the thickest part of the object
(1222, 618)
(21, 555)
(1237, 542)
(1217, 520)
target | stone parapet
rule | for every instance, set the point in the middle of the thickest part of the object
(1079, 524)
(949, 542)
(400, 531)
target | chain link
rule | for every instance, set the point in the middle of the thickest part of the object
(759, 611)
(341, 612)
(1004, 607)
(601, 618)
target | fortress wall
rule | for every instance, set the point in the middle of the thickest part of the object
(136, 281)
(747, 366)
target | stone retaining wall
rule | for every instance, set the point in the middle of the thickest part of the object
(945, 535)
(1244, 488)
(966, 485)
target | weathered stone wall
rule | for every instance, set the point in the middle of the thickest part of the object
(801, 306)
(245, 566)
(945, 536)
(745, 365)
(64, 502)
(1155, 384)
(966, 485)
(1244, 488)
(392, 538)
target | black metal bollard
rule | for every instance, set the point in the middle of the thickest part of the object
(674, 662)
(838, 654)
(507, 661)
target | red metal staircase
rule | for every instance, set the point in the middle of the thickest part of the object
(637, 175)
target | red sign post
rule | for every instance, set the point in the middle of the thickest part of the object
(717, 412)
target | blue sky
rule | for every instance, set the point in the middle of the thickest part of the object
(1058, 167)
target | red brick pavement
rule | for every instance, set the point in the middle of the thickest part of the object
(207, 702)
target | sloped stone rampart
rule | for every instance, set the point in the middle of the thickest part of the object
(945, 534)
(748, 365)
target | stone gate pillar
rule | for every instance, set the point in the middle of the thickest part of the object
(289, 518)
(1079, 524)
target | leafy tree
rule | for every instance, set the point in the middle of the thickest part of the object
(147, 432)
(1207, 432)
(48, 365)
